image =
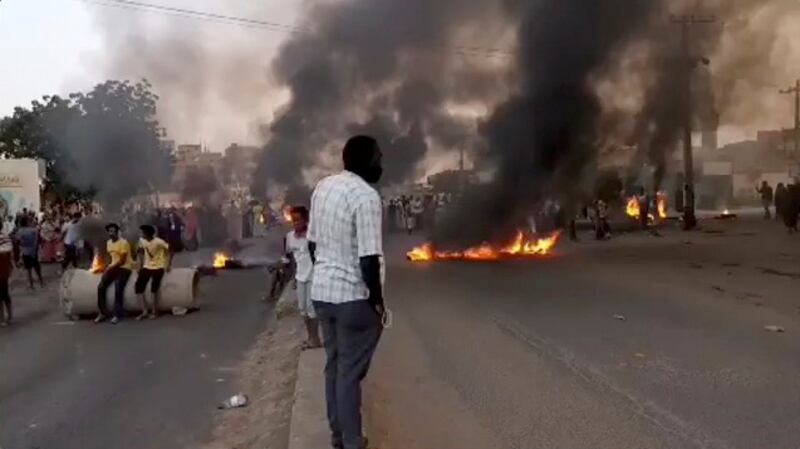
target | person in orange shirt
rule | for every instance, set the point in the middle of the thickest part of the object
(118, 272)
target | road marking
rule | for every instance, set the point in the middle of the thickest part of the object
(63, 323)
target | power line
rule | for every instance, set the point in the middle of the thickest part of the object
(247, 22)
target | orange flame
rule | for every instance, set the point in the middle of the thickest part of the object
(287, 214)
(520, 246)
(220, 260)
(632, 208)
(98, 264)
(661, 200)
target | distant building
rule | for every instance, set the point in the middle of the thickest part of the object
(239, 164)
(190, 157)
(187, 154)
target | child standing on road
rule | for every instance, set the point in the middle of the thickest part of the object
(297, 250)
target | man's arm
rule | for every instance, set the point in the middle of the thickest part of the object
(370, 248)
(312, 250)
(371, 272)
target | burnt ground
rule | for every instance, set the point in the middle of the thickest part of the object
(525, 354)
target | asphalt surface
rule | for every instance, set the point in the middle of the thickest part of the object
(138, 385)
(528, 354)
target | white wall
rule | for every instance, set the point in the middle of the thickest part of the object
(19, 185)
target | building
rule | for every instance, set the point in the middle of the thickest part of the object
(239, 164)
(20, 185)
(190, 158)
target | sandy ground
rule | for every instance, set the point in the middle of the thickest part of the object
(267, 376)
(528, 353)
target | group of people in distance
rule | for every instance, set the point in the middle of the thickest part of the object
(786, 200)
(153, 262)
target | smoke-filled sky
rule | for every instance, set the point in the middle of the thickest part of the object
(396, 68)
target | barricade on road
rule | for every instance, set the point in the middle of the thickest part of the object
(78, 292)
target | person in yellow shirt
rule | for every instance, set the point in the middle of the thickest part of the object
(155, 259)
(118, 272)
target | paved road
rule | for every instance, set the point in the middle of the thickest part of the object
(148, 385)
(528, 354)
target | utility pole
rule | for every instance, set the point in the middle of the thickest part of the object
(688, 63)
(796, 91)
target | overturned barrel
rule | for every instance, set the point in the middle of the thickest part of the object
(78, 292)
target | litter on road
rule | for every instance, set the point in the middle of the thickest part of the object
(620, 317)
(774, 328)
(235, 401)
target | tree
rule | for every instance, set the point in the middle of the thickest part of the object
(104, 143)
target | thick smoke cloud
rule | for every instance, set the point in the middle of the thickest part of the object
(543, 137)
(383, 67)
(583, 77)
(211, 76)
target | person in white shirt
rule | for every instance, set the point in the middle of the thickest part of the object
(346, 246)
(297, 250)
(70, 232)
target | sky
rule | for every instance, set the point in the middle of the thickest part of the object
(71, 45)
(48, 43)
(213, 95)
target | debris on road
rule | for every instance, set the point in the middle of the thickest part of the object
(774, 328)
(717, 288)
(639, 355)
(696, 266)
(180, 311)
(620, 317)
(235, 401)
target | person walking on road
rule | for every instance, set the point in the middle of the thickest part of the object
(118, 272)
(155, 260)
(6, 268)
(29, 242)
(766, 198)
(297, 250)
(781, 195)
(346, 246)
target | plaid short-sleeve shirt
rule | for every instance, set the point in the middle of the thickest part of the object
(345, 225)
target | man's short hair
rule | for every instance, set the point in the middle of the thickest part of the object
(148, 230)
(76, 216)
(358, 152)
(111, 226)
(302, 211)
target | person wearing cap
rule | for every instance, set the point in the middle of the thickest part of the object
(118, 272)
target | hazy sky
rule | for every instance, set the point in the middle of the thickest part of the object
(60, 46)
(44, 44)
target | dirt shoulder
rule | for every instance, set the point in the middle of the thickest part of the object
(267, 376)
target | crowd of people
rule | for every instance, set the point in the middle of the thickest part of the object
(785, 199)
(411, 213)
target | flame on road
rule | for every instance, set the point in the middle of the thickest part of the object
(632, 208)
(661, 201)
(98, 264)
(520, 246)
(220, 260)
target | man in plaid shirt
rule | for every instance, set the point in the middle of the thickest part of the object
(346, 245)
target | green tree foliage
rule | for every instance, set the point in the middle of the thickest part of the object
(104, 143)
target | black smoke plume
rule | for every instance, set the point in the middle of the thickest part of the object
(376, 67)
(544, 136)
